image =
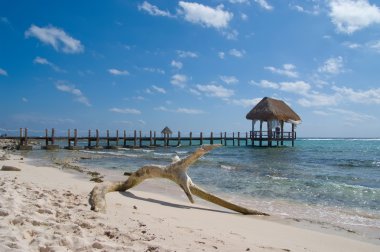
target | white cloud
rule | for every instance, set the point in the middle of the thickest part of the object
(23, 99)
(353, 116)
(142, 122)
(297, 87)
(264, 4)
(319, 100)
(244, 16)
(371, 96)
(176, 64)
(55, 37)
(267, 84)
(221, 55)
(179, 80)
(229, 79)
(315, 11)
(245, 102)
(321, 113)
(187, 54)
(287, 70)
(332, 66)
(114, 71)
(43, 61)
(352, 15)
(352, 45)
(180, 110)
(79, 97)
(189, 111)
(215, 91)
(236, 53)
(159, 89)
(204, 15)
(154, 70)
(153, 10)
(126, 111)
(3, 72)
(194, 91)
(240, 1)
(230, 34)
(374, 45)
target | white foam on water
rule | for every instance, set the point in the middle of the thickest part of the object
(228, 167)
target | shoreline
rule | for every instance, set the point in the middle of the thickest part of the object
(160, 220)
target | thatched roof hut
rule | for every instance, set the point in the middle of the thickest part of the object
(166, 131)
(269, 109)
(275, 113)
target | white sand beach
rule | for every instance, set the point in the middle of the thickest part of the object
(46, 209)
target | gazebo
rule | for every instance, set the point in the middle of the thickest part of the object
(166, 131)
(275, 113)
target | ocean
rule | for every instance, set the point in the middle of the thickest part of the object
(334, 183)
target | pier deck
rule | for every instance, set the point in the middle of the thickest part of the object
(138, 139)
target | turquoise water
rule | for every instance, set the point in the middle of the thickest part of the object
(330, 181)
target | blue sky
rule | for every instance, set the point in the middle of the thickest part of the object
(194, 66)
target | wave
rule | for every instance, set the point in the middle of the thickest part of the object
(339, 139)
(181, 152)
(163, 154)
(228, 167)
(112, 153)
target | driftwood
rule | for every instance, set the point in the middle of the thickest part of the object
(176, 172)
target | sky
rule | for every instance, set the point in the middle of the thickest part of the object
(190, 65)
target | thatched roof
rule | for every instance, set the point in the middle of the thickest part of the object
(271, 109)
(166, 130)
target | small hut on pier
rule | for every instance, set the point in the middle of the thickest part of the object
(166, 132)
(275, 113)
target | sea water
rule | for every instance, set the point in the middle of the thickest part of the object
(332, 182)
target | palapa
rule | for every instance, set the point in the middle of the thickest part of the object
(166, 131)
(269, 109)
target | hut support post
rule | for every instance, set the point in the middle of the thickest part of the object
(89, 138)
(269, 125)
(140, 142)
(155, 139)
(179, 139)
(239, 138)
(21, 139)
(150, 138)
(282, 132)
(26, 136)
(211, 138)
(253, 133)
(52, 136)
(97, 138)
(225, 138)
(221, 138)
(117, 137)
(108, 138)
(233, 138)
(191, 138)
(292, 134)
(75, 137)
(68, 138)
(246, 138)
(134, 138)
(201, 138)
(46, 137)
(124, 138)
(261, 133)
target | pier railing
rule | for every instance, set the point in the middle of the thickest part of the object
(94, 139)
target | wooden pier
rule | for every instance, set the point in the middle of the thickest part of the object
(93, 140)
